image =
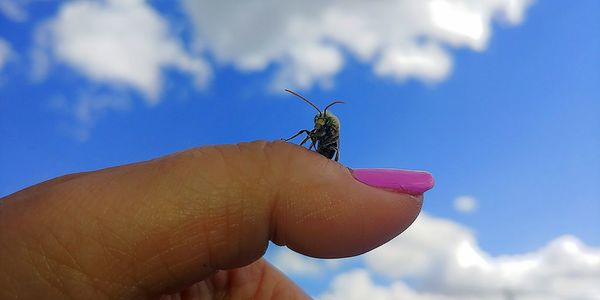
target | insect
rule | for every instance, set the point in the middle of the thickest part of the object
(325, 136)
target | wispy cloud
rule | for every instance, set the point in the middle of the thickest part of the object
(291, 262)
(358, 284)
(465, 204)
(5, 52)
(306, 39)
(14, 10)
(86, 108)
(443, 261)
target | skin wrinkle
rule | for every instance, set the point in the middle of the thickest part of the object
(259, 283)
(361, 232)
(267, 174)
(16, 239)
(185, 261)
(159, 256)
(276, 215)
(279, 212)
(39, 272)
(146, 238)
(180, 209)
(228, 220)
(166, 268)
(209, 256)
(321, 212)
(274, 235)
(192, 260)
(28, 260)
(79, 269)
(109, 253)
(242, 215)
(123, 272)
(116, 237)
(46, 186)
(141, 221)
(14, 294)
(334, 214)
(354, 201)
(135, 256)
(76, 266)
(242, 203)
(291, 205)
(138, 225)
(40, 261)
(148, 290)
(229, 208)
(112, 251)
(232, 166)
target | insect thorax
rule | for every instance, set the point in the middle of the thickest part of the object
(328, 120)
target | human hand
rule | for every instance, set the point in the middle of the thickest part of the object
(195, 224)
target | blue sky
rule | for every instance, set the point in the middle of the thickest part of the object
(506, 115)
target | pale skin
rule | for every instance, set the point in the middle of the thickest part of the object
(193, 225)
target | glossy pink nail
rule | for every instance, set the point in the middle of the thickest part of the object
(404, 181)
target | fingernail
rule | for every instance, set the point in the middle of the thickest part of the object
(404, 181)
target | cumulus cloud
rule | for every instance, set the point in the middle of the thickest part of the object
(306, 39)
(465, 204)
(442, 258)
(14, 10)
(293, 263)
(119, 42)
(358, 285)
(5, 52)
(127, 43)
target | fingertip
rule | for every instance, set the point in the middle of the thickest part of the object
(324, 211)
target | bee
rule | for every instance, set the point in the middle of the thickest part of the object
(325, 136)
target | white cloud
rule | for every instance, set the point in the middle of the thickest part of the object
(127, 43)
(358, 285)
(442, 258)
(293, 263)
(465, 204)
(86, 108)
(5, 52)
(119, 42)
(306, 39)
(422, 247)
(14, 10)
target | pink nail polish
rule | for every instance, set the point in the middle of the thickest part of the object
(404, 181)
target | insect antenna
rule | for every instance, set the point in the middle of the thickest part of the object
(330, 105)
(299, 96)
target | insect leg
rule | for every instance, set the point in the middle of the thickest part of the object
(312, 144)
(299, 133)
(306, 139)
(337, 154)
